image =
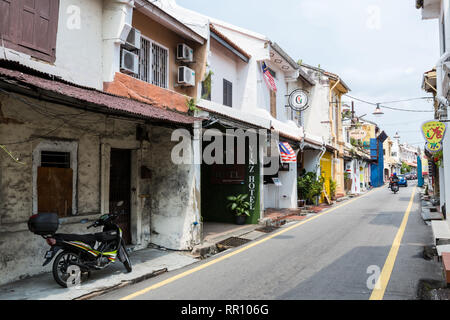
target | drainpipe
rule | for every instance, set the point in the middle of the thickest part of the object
(323, 150)
(330, 110)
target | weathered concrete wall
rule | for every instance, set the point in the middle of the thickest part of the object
(175, 196)
(171, 209)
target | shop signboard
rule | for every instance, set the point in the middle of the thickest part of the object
(433, 132)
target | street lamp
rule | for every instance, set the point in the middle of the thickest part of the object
(378, 112)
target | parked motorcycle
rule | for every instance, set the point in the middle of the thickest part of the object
(79, 252)
(394, 187)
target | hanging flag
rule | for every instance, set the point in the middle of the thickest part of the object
(270, 81)
(287, 154)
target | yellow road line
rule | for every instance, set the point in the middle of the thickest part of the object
(252, 244)
(383, 280)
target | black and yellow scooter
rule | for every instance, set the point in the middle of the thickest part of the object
(80, 253)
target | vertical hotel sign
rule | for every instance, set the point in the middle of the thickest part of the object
(252, 179)
(433, 132)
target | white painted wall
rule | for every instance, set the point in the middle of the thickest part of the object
(317, 113)
(225, 65)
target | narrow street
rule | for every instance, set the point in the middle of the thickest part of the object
(329, 256)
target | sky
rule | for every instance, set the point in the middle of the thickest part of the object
(380, 48)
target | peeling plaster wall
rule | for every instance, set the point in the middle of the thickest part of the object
(174, 198)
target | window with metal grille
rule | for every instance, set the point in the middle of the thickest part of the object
(153, 63)
(53, 159)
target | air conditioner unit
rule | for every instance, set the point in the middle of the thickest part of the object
(131, 37)
(129, 62)
(185, 53)
(186, 76)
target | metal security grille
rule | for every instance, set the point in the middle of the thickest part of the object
(231, 242)
(153, 63)
(159, 66)
(144, 60)
(52, 159)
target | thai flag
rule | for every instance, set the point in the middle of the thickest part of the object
(270, 81)
(287, 154)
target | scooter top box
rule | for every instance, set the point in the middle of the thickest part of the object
(44, 223)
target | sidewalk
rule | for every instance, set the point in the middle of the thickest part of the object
(146, 263)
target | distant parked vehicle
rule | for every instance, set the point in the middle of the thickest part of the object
(402, 180)
(407, 176)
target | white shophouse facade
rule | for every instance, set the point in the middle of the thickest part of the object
(252, 101)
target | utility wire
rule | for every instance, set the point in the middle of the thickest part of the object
(392, 108)
(412, 99)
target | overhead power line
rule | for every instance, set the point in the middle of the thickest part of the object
(391, 108)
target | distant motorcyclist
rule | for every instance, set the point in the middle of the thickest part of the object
(393, 179)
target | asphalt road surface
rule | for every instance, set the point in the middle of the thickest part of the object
(335, 255)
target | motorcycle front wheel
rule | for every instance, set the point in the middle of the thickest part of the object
(125, 258)
(65, 271)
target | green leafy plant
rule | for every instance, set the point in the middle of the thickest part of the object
(437, 158)
(309, 186)
(332, 187)
(405, 168)
(347, 114)
(207, 85)
(191, 104)
(238, 205)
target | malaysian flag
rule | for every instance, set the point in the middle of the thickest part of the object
(287, 154)
(270, 81)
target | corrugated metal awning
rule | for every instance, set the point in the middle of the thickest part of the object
(42, 86)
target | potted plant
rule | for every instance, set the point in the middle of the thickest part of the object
(310, 186)
(239, 207)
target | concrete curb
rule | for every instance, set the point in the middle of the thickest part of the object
(121, 285)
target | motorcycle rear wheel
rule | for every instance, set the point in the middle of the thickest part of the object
(60, 267)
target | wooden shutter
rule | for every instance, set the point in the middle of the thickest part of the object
(30, 26)
(38, 19)
(8, 19)
(54, 189)
(227, 93)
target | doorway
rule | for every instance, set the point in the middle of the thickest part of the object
(120, 189)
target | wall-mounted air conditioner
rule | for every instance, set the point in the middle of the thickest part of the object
(129, 62)
(186, 76)
(131, 37)
(185, 53)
